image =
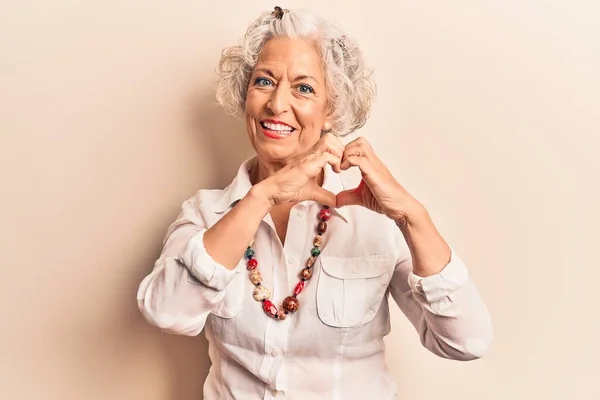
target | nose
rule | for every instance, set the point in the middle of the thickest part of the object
(279, 101)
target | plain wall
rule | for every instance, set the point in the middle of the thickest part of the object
(487, 112)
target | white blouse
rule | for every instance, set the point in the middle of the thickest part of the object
(332, 348)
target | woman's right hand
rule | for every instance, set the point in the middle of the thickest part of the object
(297, 181)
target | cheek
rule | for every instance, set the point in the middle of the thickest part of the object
(254, 103)
(311, 115)
(250, 113)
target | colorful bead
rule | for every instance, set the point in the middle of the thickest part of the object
(306, 273)
(270, 308)
(299, 288)
(290, 304)
(261, 293)
(281, 315)
(318, 241)
(255, 277)
(325, 214)
(322, 227)
(252, 264)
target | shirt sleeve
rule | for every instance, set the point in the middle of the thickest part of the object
(446, 309)
(186, 283)
(202, 266)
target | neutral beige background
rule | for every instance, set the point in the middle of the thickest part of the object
(487, 112)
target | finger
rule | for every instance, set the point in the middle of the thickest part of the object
(359, 149)
(334, 146)
(354, 150)
(349, 198)
(361, 140)
(337, 166)
(332, 159)
(361, 145)
(353, 161)
(312, 166)
(323, 196)
(333, 141)
(338, 153)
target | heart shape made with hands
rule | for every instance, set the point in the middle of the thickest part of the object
(377, 189)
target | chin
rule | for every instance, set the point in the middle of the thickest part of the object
(275, 155)
(274, 150)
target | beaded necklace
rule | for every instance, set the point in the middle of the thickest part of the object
(290, 304)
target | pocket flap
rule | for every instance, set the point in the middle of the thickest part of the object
(369, 266)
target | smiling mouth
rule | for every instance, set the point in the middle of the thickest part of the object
(276, 129)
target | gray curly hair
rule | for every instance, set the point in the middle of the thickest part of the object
(351, 89)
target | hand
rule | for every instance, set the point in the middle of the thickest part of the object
(378, 190)
(297, 181)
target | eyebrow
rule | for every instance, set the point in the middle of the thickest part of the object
(298, 78)
(304, 77)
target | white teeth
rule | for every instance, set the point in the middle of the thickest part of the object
(277, 127)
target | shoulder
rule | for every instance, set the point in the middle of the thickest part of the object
(199, 208)
(204, 198)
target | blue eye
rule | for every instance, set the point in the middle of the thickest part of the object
(262, 82)
(305, 89)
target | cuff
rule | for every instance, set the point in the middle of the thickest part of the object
(202, 266)
(439, 286)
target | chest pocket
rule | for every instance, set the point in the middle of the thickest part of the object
(350, 289)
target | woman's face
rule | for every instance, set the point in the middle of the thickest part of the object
(286, 103)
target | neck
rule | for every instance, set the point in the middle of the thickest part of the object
(261, 170)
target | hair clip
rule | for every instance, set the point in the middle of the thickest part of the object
(278, 13)
(341, 42)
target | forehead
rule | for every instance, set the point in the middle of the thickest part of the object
(292, 57)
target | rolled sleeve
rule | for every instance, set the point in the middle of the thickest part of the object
(202, 266)
(435, 288)
(451, 318)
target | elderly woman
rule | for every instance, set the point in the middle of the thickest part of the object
(288, 269)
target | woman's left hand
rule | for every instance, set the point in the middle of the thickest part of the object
(378, 190)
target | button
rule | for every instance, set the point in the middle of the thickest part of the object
(292, 261)
(275, 392)
(355, 270)
(300, 213)
(275, 353)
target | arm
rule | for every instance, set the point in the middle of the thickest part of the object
(196, 264)
(430, 283)
(432, 287)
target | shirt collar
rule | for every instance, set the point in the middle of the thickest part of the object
(241, 185)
